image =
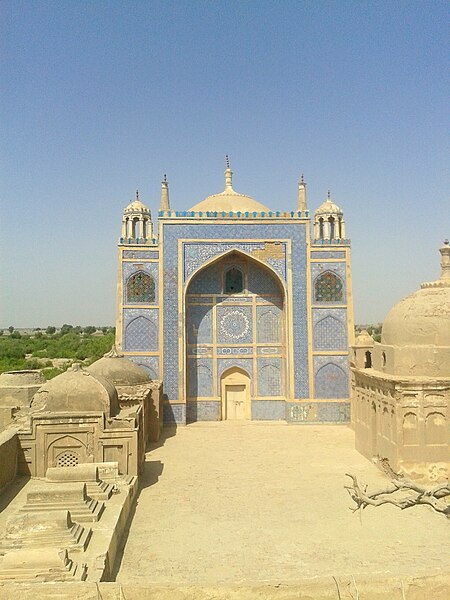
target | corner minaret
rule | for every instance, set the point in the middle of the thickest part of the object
(137, 227)
(164, 203)
(329, 222)
(301, 203)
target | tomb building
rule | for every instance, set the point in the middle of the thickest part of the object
(401, 386)
(238, 308)
(76, 418)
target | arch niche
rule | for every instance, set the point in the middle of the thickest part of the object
(235, 326)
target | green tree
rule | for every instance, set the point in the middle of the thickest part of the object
(66, 328)
(10, 329)
(50, 330)
(90, 329)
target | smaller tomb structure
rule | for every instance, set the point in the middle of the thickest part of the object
(401, 386)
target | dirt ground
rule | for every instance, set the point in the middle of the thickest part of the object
(244, 503)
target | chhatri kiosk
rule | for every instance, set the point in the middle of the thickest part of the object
(237, 308)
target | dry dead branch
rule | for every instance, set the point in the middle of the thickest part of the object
(416, 495)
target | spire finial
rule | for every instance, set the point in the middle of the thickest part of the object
(164, 203)
(301, 195)
(137, 194)
(228, 174)
(328, 195)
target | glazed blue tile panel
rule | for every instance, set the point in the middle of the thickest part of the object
(246, 364)
(269, 325)
(146, 254)
(199, 324)
(200, 377)
(196, 254)
(331, 377)
(174, 414)
(330, 329)
(235, 351)
(203, 411)
(234, 324)
(337, 268)
(129, 269)
(260, 282)
(333, 412)
(268, 410)
(318, 412)
(206, 282)
(273, 231)
(149, 363)
(269, 377)
(325, 254)
(140, 327)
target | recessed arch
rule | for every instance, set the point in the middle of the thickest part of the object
(223, 330)
(328, 287)
(238, 251)
(140, 287)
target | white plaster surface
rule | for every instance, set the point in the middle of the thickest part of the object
(239, 503)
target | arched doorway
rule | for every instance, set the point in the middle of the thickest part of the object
(235, 395)
(235, 326)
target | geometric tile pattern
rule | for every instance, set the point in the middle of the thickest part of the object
(260, 282)
(234, 324)
(129, 269)
(203, 411)
(199, 324)
(268, 320)
(174, 414)
(149, 363)
(330, 254)
(200, 378)
(140, 329)
(331, 377)
(140, 334)
(196, 254)
(206, 282)
(137, 254)
(318, 412)
(328, 288)
(338, 269)
(329, 331)
(269, 377)
(268, 410)
(140, 288)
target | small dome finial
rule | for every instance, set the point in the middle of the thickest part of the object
(165, 178)
(302, 178)
(227, 161)
(137, 194)
(328, 195)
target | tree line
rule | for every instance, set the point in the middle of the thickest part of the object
(20, 351)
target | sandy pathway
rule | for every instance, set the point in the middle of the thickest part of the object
(250, 502)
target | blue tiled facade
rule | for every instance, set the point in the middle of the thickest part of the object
(216, 331)
(195, 254)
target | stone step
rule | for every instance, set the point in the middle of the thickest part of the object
(48, 564)
(54, 529)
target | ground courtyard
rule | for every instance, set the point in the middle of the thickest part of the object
(240, 503)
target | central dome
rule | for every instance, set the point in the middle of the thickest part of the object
(229, 200)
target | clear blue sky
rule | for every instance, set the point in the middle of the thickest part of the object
(100, 98)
